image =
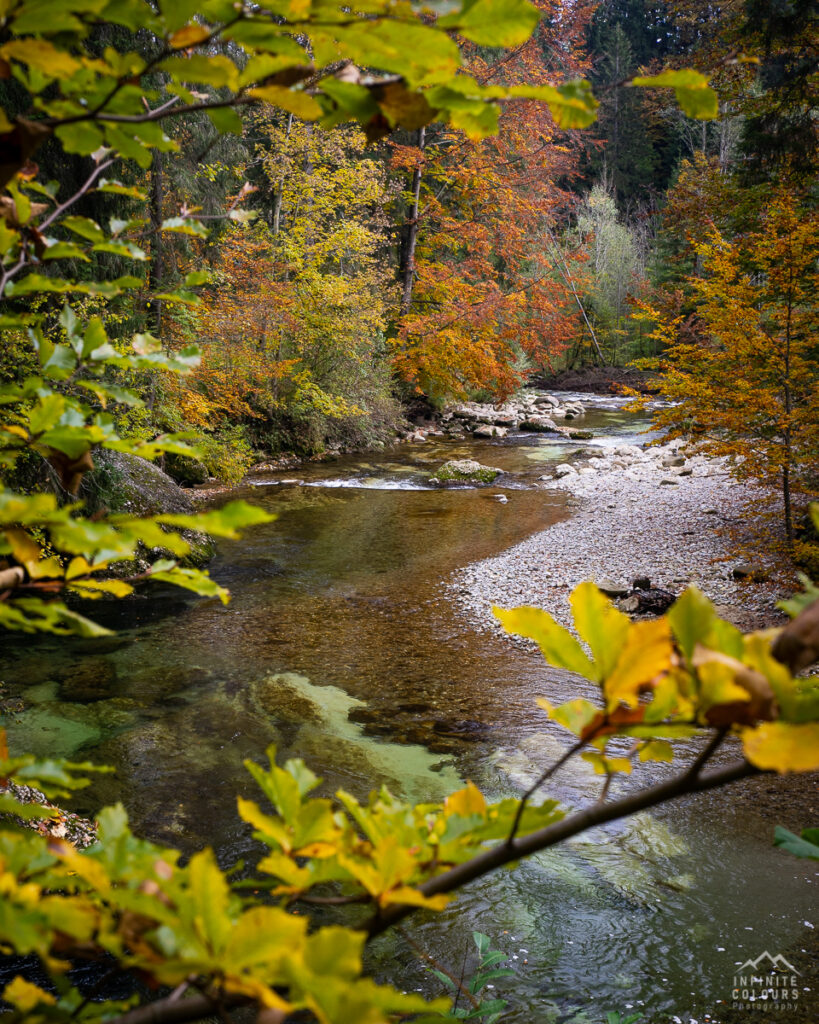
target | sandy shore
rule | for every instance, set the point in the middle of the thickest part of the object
(654, 514)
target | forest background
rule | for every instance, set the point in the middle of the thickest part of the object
(347, 277)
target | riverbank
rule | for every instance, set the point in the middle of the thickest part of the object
(653, 514)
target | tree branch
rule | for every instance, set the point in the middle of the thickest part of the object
(597, 814)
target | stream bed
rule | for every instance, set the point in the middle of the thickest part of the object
(342, 646)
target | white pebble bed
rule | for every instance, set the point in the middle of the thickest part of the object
(639, 515)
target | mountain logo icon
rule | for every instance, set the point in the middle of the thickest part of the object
(765, 962)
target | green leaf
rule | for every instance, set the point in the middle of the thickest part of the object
(185, 226)
(192, 579)
(85, 227)
(223, 522)
(691, 616)
(117, 188)
(805, 846)
(572, 104)
(225, 119)
(694, 94)
(57, 250)
(494, 22)
(126, 249)
(215, 70)
(198, 277)
(82, 137)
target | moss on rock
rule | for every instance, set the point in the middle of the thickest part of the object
(465, 471)
(126, 483)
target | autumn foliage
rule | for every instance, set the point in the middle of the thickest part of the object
(745, 382)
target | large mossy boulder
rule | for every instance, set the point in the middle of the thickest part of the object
(126, 483)
(465, 471)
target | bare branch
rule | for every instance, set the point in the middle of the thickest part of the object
(597, 814)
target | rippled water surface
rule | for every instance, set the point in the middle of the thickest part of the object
(342, 646)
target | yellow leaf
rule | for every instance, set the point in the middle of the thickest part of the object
(48, 568)
(116, 587)
(25, 996)
(261, 935)
(42, 55)
(558, 645)
(783, 746)
(466, 802)
(657, 750)
(209, 891)
(407, 895)
(77, 567)
(574, 715)
(23, 547)
(190, 35)
(646, 654)
(601, 625)
(606, 765)
(318, 850)
(298, 103)
(12, 428)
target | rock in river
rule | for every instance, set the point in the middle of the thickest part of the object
(465, 471)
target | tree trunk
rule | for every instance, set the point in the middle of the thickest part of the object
(412, 232)
(277, 201)
(563, 270)
(157, 268)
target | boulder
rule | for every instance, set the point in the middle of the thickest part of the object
(122, 482)
(653, 601)
(489, 430)
(580, 435)
(540, 425)
(465, 471)
(564, 469)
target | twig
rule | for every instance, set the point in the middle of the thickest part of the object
(332, 901)
(604, 792)
(536, 785)
(706, 753)
(459, 985)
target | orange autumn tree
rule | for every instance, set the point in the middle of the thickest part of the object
(488, 294)
(746, 383)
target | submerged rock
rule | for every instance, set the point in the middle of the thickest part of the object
(90, 680)
(465, 471)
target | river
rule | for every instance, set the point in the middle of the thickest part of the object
(342, 646)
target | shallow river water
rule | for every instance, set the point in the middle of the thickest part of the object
(342, 647)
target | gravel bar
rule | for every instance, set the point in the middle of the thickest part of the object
(640, 513)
